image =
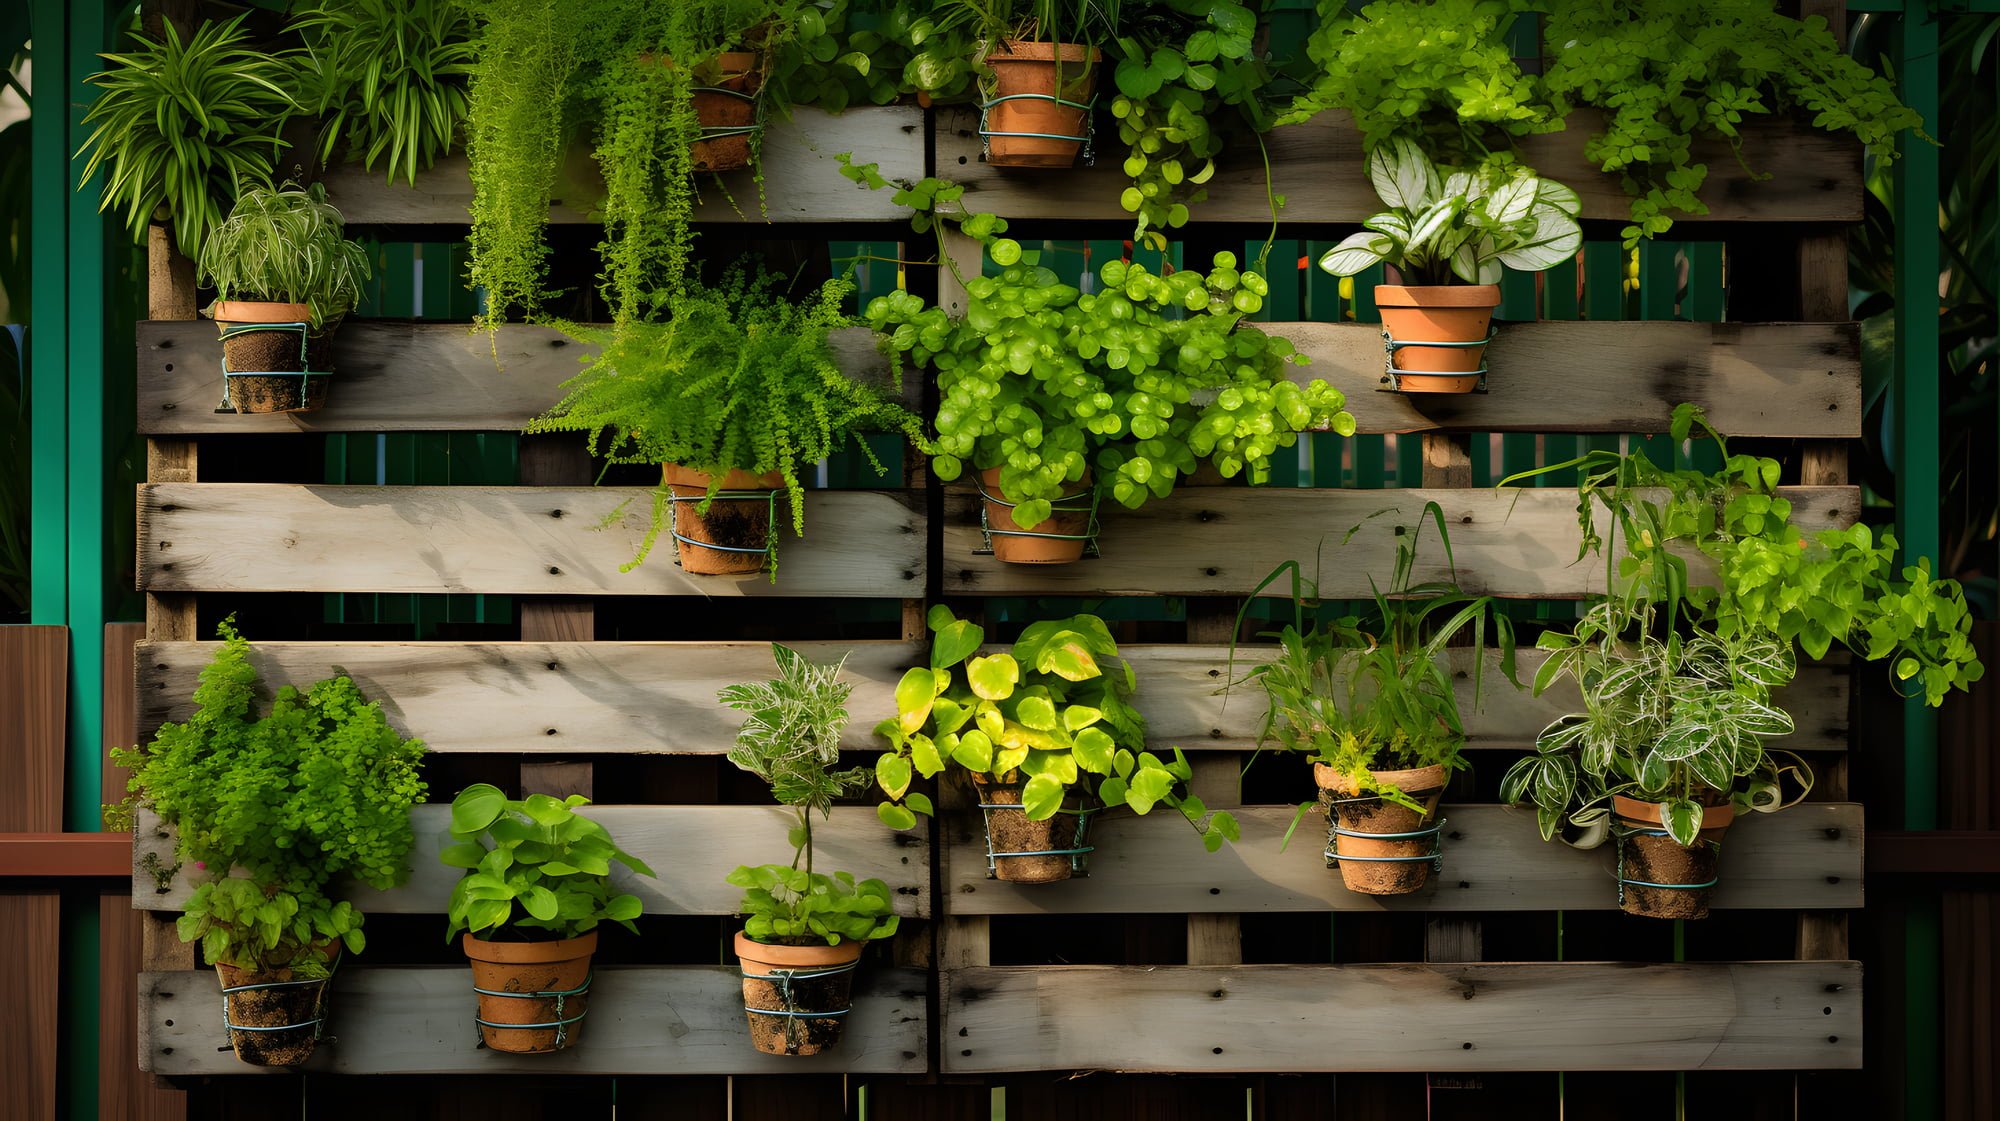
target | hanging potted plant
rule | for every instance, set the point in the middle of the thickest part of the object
(1057, 397)
(1037, 63)
(734, 395)
(1369, 700)
(1668, 750)
(1046, 735)
(275, 817)
(804, 930)
(1446, 235)
(536, 886)
(283, 278)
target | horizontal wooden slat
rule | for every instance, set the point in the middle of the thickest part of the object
(264, 537)
(616, 697)
(1494, 860)
(1760, 379)
(802, 182)
(1477, 1017)
(642, 1020)
(65, 854)
(1223, 541)
(405, 376)
(1815, 176)
(689, 848)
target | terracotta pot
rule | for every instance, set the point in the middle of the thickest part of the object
(1030, 68)
(271, 366)
(1014, 549)
(738, 523)
(737, 71)
(1662, 860)
(767, 990)
(292, 1002)
(1381, 877)
(1011, 831)
(531, 967)
(1438, 313)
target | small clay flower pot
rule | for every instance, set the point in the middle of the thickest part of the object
(275, 1015)
(1067, 526)
(559, 967)
(1010, 830)
(741, 527)
(282, 369)
(1034, 124)
(1648, 859)
(1409, 866)
(783, 986)
(1453, 313)
(738, 72)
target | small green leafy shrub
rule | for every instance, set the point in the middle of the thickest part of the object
(184, 125)
(1052, 713)
(536, 870)
(388, 78)
(791, 739)
(1448, 224)
(1374, 692)
(284, 245)
(740, 378)
(277, 812)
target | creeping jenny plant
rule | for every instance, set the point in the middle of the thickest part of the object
(277, 813)
(791, 739)
(1052, 714)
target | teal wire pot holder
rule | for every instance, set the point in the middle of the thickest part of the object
(273, 1018)
(532, 996)
(1658, 877)
(1380, 847)
(273, 359)
(1025, 120)
(797, 998)
(1023, 851)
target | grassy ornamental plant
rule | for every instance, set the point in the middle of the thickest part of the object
(284, 245)
(740, 379)
(388, 78)
(184, 125)
(277, 816)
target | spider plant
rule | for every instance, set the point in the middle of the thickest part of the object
(388, 77)
(184, 126)
(284, 245)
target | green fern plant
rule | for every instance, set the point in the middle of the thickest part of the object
(388, 78)
(284, 245)
(311, 795)
(738, 378)
(184, 126)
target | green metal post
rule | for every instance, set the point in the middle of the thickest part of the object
(1917, 412)
(48, 332)
(87, 449)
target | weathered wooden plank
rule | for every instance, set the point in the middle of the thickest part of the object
(802, 183)
(1815, 176)
(1494, 860)
(397, 375)
(690, 848)
(1469, 1017)
(643, 1020)
(614, 697)
(30, 983)
(247, 537)
(1758, 379)
(1210, 541)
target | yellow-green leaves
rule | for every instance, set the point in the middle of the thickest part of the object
(914, 696)
(993, 678)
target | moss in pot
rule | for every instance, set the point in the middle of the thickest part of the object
(803, 930)
(1370, 701)
(537, 885)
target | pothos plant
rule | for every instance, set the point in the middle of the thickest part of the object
(535, 869)
(1457, 224)
(277, 814)
(1681, 722)
(1051, 714)
(739, 378)
(1770, 577)
(1137, 382)
(790, 738)
(1373, 693)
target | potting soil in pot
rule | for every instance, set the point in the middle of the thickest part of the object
(288, 1002)
(1011, 831)
(1381, 877)
(1663, 860)
(784, 984)
(274, 378)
